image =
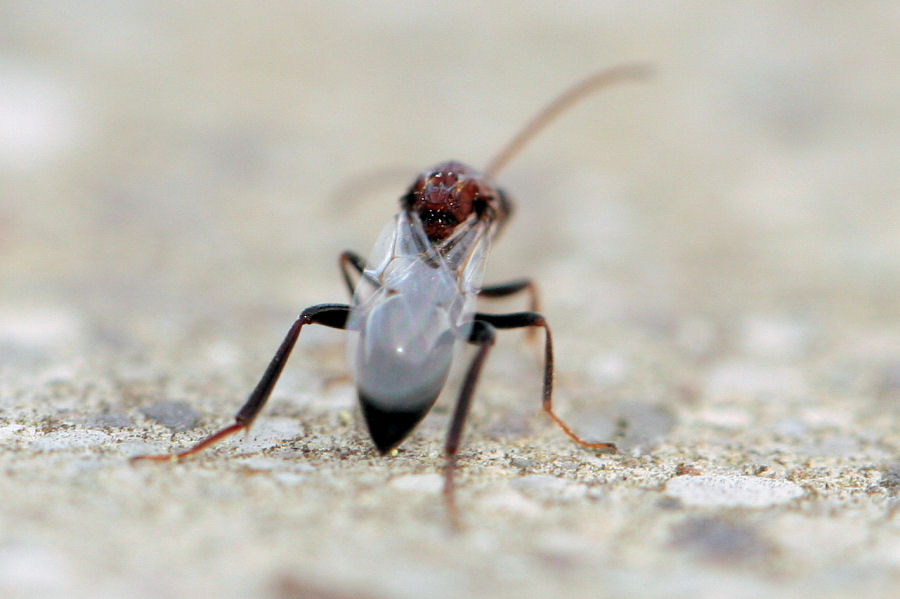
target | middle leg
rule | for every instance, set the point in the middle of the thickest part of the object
(517, 320)
(482, 335)
(513, 287)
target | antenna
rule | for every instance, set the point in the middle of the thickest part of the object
(563, 102)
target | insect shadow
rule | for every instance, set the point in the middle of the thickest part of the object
(414, 299)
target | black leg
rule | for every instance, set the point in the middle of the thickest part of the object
(513, 287)
(352, 259)
(533, 319)
(330, 315)
(483, 335)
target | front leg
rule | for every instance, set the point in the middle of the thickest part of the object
(330, 315)
(513, 287)
(353, 260)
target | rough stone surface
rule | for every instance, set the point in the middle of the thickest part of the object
(716, 249)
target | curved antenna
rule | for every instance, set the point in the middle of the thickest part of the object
(563, 102)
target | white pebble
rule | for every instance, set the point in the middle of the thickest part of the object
(425, 483)
(746, 379)
(70, 438)
(540, 482)
(732, 490)
(34, 570)
(608, 370)
(511, 501)
(774, 338)
(38, 327)
(39, 116)
(725, 417)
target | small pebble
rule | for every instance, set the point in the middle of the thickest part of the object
(522, 463)
(890, 478)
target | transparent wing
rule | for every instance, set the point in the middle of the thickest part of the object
(413, 303)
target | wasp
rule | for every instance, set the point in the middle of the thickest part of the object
(414, 301)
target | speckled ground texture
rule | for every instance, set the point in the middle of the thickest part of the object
(717, 249)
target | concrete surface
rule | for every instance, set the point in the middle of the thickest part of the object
(717, 249)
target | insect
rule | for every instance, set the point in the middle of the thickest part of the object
(414, 301)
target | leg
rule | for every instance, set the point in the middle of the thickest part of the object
(330, 315)
(513, 287)
(482, 334)
(352, 259)
(533, 319)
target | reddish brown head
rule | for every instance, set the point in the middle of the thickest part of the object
(448, 194)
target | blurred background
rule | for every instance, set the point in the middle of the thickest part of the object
(159, 156)
(717, 248)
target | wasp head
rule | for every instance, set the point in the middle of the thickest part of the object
(446, 196)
